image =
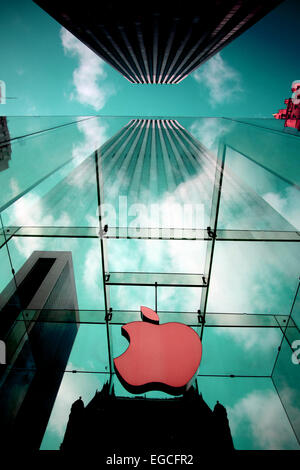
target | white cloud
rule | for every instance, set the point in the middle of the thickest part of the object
(222, 81)
(265, 419)
(250, 338)
(209, 130)
(91, 69)
(95, 134)
(287, 204)
(30, 211)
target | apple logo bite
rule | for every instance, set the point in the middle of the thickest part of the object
(159, 357)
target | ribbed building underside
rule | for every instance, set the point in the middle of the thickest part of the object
(157, 42)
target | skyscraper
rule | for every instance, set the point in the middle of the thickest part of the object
(157, 42)
(36, 343)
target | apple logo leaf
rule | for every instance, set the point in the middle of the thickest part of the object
(149, 315)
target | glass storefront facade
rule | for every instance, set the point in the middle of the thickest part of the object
(199, 219)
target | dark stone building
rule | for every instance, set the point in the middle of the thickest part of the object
(111, 424)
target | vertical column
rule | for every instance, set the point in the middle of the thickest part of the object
(104, 262)
(212, 229)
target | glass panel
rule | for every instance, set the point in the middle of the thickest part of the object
(219, 319)
(257, 235)
(5, 271)
(143, 258)
(286, 377)
(254, 198)
(156, 233)
(239, 351)
(86, 259)
(156, 179)
(179, 299)
(72, 232)
(131, 297)
(256, 417)
(61, 200)
(257, 144)
(254, 277)
(122, 317)
(63, 316)
(72, 387)
(162, 279)
(157, 169)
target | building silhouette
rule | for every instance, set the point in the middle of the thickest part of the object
(109, 423)
(38, 337)
(5, 147)
(157, 42)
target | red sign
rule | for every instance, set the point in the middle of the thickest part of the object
(159, 357)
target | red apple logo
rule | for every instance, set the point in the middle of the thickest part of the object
(159, 357)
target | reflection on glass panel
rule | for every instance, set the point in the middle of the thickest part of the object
(72, 387)
(160, 256)
(256, 417)
(86, 259)
(286, 377)
(254, 198)
(254, 277)
(258, 235)
(178, 299)
(20, 126)
(271, 124)
(160, 172)
(52, 151)
(295, 315)
(225, 319)
(90, 350)
(131, 297)
(239, 351)
(66, 199)
(5, 271)
(276, 151)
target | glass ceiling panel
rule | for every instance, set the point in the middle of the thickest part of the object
(160, 256)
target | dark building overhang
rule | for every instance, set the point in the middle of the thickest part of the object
(157, 42)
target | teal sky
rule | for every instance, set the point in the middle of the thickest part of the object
(251, 77)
